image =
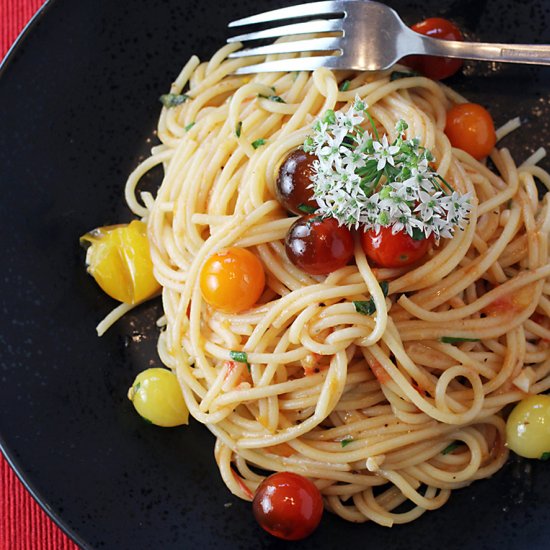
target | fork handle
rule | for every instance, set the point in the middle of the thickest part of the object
(536, 54)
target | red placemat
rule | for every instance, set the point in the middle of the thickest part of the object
(23, 524)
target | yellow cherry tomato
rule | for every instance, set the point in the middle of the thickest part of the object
(118, 258)
(528, 427)
(157, 397)
(232, 280)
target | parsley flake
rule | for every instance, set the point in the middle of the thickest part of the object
(346, 442)
(450, 448)
(455, 339)
(397, 75)
(306, 208)
(189, 126)
(368, 307)
(238, 128)
(173, 100)
(240, 357)
(344, 87)
(545, 456)
(276, 98)
(258, 143)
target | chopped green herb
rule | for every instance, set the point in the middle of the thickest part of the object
(189, 126)
(344, 87)
(240, 357)
(258, 143)
(418, 234)
(365, 307)
(545, 456)
(173, 100)
(276, 98)
(450, 448)
(455, 339)
(368, 307)
(306, 208)
(396, 75)
(347, 441)
(238, 128)
(136, 387)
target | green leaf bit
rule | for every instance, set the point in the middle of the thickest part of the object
(545, 456)
(238, 128)
(397, 75)
(346, 442)
(450, 448)
(368, 307)
(456, 339)
(239, 356)
(344, 87)
(276, 98)
(173, 100)
(258, 143)
(306, 208)
(189, 126)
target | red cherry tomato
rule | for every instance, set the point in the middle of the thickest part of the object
(436, 68)
(293, 181)
(470, 127)
(288, 506)
(319, 246)
(232, 280)
(388, 249)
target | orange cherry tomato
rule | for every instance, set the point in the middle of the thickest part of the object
(232, 280)
(388, 249)
(288, 506)
(436, 68)
(470, 127)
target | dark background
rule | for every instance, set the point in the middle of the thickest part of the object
(78, 102)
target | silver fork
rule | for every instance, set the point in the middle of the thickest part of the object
(370, 37)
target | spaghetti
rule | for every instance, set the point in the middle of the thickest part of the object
(386, 413)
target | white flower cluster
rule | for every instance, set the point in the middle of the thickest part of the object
(360, 179)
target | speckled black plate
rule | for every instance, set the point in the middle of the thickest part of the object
(78, 102)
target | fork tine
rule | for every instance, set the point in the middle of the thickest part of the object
(289, 65)
(285, 30)
(302, 10)
(313, 45)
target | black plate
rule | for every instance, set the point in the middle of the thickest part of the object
(78, 102)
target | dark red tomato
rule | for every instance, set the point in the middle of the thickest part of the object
(470, 127)
(288, 506)
(387, 249)
(293, 180)
(436, 68)
(319, 246)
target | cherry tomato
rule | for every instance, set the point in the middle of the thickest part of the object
(293, 180)
(528, 427)
(436, 68)
(232, 280)
(118, 258)
(470, 128)
(388, 249)
(319, 246)
(288, 506)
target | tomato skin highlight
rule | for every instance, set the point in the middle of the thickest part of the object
(436, 68)
(470, 127)
(288, 506)
(388, 249)
(319, 246)
(232, 280)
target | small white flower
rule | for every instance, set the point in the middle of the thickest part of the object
(384, 152)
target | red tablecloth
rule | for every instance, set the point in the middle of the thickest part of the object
(23, 524)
